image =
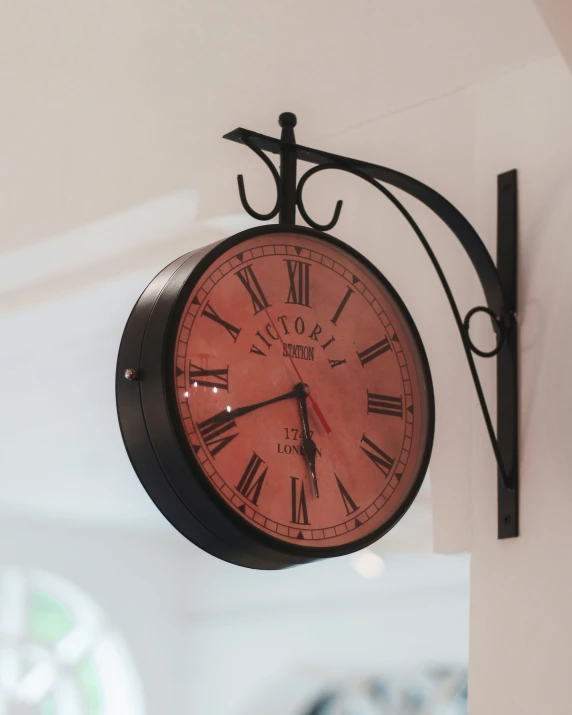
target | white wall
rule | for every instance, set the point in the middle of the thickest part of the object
(521, 625)
(521, 590)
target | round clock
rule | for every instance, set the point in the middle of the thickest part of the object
(275, 398)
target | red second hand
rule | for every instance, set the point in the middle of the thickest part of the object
(313, 402)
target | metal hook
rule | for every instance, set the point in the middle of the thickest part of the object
(300, 203)
(275, 176)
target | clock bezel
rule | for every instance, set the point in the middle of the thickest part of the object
(425, 379)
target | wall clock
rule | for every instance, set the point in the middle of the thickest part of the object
(278, 406)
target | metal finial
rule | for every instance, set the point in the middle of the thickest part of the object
(287, 119)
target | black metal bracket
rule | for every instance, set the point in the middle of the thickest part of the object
(499, 282)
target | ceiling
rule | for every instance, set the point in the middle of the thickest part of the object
(109, 104)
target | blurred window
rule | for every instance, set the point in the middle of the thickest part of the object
(58, 653)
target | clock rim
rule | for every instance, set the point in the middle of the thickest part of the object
(285, 548)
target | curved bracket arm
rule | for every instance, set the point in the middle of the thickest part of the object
(462, 327)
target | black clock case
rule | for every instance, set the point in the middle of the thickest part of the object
(153, 434)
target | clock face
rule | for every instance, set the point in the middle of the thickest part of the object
(303, 390)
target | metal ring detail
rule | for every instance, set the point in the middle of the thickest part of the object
(498, 326)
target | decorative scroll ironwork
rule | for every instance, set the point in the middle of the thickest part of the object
(461, 325)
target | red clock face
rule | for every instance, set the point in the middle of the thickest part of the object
(303, 390)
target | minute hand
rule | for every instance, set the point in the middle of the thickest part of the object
(226, 415)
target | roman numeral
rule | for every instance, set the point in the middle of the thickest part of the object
(349, 503)
(299, 277)
(210, 312)
(213, 431)
(209, 378)
(250, 282)
(341, 306)
(299, 508)
(384, 405)
(335, 363)
(381, 460)
(251, 482)
(374, 351)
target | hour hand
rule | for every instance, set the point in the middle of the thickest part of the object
(310, 451)
(308, 444)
